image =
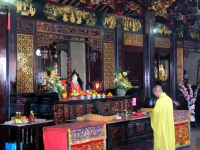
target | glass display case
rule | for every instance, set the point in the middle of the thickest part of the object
(162, 71)
(161, 67)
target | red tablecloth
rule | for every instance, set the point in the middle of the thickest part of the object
(53, 138)
(71, 135)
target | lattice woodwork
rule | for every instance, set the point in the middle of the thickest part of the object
(71, 113)
(25, 26)
(79, 110)
(24, 63)
(109, 65)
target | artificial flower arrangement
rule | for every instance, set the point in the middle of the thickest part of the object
(54, 83)
(121, 80)
(187, 92)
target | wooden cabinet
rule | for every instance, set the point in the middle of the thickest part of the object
(128, 131)
(68, 109)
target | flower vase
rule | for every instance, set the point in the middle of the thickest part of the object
(191, 108)
(121, 92)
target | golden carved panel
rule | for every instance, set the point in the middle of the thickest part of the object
(162, 42)
(25, 8)
(109, 65)
(109, 21)
(133, 39)
(194, 34)
(180, 32)
(69, 14)
(130, 24)
(180, 56)
(164, 30)
(24, 63)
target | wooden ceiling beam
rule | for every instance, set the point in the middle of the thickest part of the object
(65, 1)
(97, 6)
(103, 7)
(71, 3)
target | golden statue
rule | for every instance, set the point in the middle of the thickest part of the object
(162, 74)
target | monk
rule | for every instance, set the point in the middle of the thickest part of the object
(74, 85)
(162, 121)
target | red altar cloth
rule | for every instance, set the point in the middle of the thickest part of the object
(53, 138)
(71, 135)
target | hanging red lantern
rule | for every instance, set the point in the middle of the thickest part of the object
(97, 85)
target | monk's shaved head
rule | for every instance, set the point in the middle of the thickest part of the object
(157, 88)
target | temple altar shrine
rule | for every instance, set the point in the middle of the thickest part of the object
(44, 43)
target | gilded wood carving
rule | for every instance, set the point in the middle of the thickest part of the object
(24, 63)
(163, 30)
(180, 32)
(25, 8)
(69, 14)
(130, 24)
(109, 65)
(162, 42)
(194, 34)
(133, 39)
(179, 63)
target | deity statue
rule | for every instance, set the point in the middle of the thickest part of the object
(162, 74)
(74, 85)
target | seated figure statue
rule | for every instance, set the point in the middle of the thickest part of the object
(74, 85)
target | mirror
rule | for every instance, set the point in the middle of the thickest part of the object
(78, 61)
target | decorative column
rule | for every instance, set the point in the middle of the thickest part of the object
(149, 52)
(174, 69)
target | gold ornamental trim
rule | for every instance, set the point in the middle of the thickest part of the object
(162, 42)
(133, 39)
(81, 141)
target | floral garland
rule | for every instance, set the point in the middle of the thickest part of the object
(188, 93)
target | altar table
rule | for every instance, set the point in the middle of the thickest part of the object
(75, 136)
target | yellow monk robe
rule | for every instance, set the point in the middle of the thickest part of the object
(162, 123)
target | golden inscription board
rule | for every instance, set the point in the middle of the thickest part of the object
(133, 39)
(179, 63)
(162, 42)
(109, 65)
(24, 63)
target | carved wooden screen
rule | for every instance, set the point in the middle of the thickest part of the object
(109, 65)
(24, 63)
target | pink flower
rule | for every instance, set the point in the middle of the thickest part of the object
(188, 93)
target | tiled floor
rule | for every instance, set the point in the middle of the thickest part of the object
(195, 139)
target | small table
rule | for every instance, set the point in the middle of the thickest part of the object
(24, 133)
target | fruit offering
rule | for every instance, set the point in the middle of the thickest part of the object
(109, 94)
(74, 93)
(88, 92)
(94, 93)
(82, 93)
(98, 95)
(103, 95)
(64, 95)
